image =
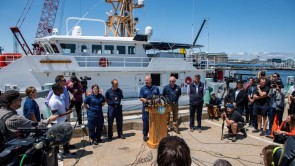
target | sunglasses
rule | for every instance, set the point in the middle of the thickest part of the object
(172, 81)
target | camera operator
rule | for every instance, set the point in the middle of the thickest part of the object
(235, 122)
(11, 101)
(76, 89)
(277, 97)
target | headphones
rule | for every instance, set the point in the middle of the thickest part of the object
(276, 155)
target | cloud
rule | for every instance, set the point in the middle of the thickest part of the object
(261, 55)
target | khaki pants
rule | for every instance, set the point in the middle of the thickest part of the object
(174, 118)
(213, 112)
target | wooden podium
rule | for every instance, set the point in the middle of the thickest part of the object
(157, 125)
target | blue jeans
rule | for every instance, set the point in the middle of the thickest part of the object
(193, 109)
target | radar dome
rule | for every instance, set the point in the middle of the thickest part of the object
(148, 31)
(77, 31)
(140, 2)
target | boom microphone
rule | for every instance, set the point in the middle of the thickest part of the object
(58, 134)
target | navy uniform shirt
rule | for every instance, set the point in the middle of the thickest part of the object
(95, 103)
(148, 92)
(31, 106)
(114, 97)
(173, 94)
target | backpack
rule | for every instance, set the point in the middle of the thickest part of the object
(3, 128)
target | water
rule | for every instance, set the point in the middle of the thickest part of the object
(283, 73)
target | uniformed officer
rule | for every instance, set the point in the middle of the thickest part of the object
(172, 92)
(145, 95)
(94, 103)
(114, 96)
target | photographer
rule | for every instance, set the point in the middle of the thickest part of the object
(277, 97)
(11, 101)
(76, 89)
(235, 122)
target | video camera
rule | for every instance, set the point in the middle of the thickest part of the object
(84, 82)
(38, 146)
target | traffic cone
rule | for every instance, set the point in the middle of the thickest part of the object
(275, 125)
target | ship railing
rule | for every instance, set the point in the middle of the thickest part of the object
(5, 60)
(112, 61)
(118, 61)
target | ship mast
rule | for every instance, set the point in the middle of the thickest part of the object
(120, 20)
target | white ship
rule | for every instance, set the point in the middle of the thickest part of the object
(125, 56)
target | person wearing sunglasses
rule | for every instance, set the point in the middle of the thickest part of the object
(172, 92)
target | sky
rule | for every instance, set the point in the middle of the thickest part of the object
(241, 28)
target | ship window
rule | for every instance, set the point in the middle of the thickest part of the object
(175, 75)
(46, 48)
(121, 50)
(109, 49)
(54, 47)
(68, 48)
(84, 48)
(96, 49)
(156, 79)
(131, 49)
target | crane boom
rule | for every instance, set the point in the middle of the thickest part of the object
(198, 34)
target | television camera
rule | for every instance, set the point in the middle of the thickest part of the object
(84, 82)
(35, 145)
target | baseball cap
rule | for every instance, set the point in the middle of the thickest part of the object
(230, 106)
(240, 81)
(10, 95)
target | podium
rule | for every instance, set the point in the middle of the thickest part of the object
(157, 124)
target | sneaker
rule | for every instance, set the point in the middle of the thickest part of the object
(255, 131)
(234, 139)
(94, 142)
(145, 138)
(68, 155)
(59, 156)
(199, 130)
(99, 140)
(262, 133)
(176, 131)
(244, 132)
(192, 130)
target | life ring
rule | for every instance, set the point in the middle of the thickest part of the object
(188, 80)
(103, 62)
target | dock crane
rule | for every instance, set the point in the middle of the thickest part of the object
(45, 27)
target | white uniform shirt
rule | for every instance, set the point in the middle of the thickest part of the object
(57, 103)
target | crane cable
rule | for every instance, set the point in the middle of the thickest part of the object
(26, 11)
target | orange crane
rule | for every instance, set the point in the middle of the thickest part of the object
(45, 26)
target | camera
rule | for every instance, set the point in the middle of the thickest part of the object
(274, 86)
(84, 82)
(32, 147)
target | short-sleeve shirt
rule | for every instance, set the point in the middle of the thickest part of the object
(147, 92)
(57, 103)
(31, 106)
(114, 96)
(292, 88)
(94, 102)
(263, 100)
(236, 116)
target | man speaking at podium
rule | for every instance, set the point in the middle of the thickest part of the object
(146, 93)
(172, 92)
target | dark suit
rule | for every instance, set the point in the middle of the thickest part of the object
(240, 100)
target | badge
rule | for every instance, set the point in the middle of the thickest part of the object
(161, 109)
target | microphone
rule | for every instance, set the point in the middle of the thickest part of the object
(58, 134)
